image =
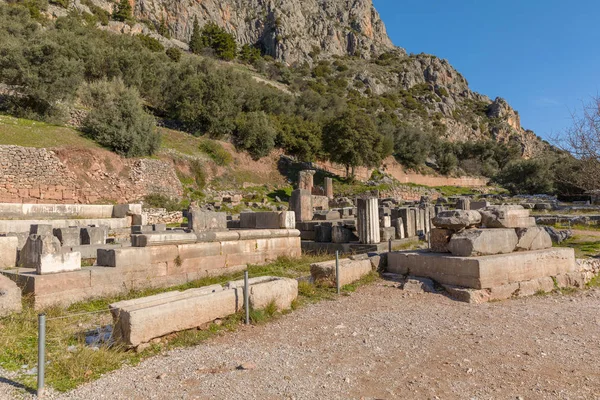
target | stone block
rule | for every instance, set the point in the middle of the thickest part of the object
(40, 229)
(9, 246)
(323, 233)
(94, 235)
(137, 229)
(486, 271)
(329, 188)
(457, 219)
(368, 221)
(320, 203)
(10, 297)
(483, 242)
(248, 220)
(387, 234)
(306, 180)
(463, 203)
(287, 220)
(350, 271)
(200, 220)
(326, 215)
(141, 320)
(342, 234)
(139, 219)
(268, 220)
(301, 204)
(35, 247)
(162, 238)
(439, 239)
(266, 289)
(386, 221)
(398, 224)
(533, 238)
(529, 288)
(59, 262)
(124, 210)
(416, 284)
(68, 236)
(159, 227)
(467, 295)
(478, 205)
(506, 217)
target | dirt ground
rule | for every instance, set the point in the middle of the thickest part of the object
(382, 343)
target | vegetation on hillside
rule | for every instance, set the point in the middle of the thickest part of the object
(48, 68)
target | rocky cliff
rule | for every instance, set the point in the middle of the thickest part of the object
(434, 95)
(288, 30)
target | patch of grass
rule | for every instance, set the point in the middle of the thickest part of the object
(594, 282)
(583, 248)
(30, 133)
(365, 280)
(447, 191)
(216, 152)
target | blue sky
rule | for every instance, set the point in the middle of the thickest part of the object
(540, 55)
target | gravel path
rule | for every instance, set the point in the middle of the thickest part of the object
(383, 343)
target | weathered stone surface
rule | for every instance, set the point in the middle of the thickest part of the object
(287, 220)
(534, 238)
(59, 262)
(557, 236)
(40, 229)
(463, 203)
(320, 202)
(268, 220)
(386, 221)
(301, 204)
(94, 235)
(341, 234)
(439, 240)
(416, 284)
(467, 295)
(36, 246)
(478, 205)
(68, 236)
(140, 320)
(350, 271)
(483, 242)
(306, 180)
(408, 219)
(200, 220)
(368, 221)
(162, 238)
(486, 271)
(398, 225)
(326, 215)
(506, 217)
(323, 233)
(457, 219)
(540, 285)
(9, 246)
(329, 188)
(10, 297)
(266, 289)
(248, 220)
(387, 234)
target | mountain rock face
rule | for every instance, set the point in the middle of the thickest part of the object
(298, 31)
(288, 30)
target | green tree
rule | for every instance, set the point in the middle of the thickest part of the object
(255, 134)
(221, 42)
(196, 44)
(412, 146)
(123, 12)
(249, 54)
(527, 177)
(117, 119)
(299, 137)
(353, 141)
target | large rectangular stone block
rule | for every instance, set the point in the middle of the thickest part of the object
(350, 271)
(248, 220)
(200, 220)
(485, 271)
(439, 240)
(301, 204)
(162, 238)
(59, 262)
(9, 246)
(68, 236)
(94, 235)
(268, 220)
(141, 320)
(264, 290)
(483, 242)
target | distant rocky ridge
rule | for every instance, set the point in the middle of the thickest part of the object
(295, 32)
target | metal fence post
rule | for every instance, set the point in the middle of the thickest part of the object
(246, 298)
(337, 271)
(41, 354)
(390, 245)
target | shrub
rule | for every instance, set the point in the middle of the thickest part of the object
(123, 12)
(117, 119)
(174, 53)
(217, 39)
(216, 152)
(249, 54)
(157, 200)
(150, 43)
(255, 134)
(527, 177)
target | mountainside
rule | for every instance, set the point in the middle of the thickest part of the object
(296, 33)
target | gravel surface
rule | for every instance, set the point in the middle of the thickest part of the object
(382, 343)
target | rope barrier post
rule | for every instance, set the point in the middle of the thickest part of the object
(390, 245)
(337, 271)
(41, 354)
(246, 298)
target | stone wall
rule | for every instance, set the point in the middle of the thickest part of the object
(392, 167)
(32, 175)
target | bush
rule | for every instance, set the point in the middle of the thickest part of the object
(412, 146)
(216, 152)
(249, 54)
(174, 54)
(117, 119)
(213, 37)
(527, 177)
(150, 43)
(255, 134)
(157, 200)
(123, 12)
